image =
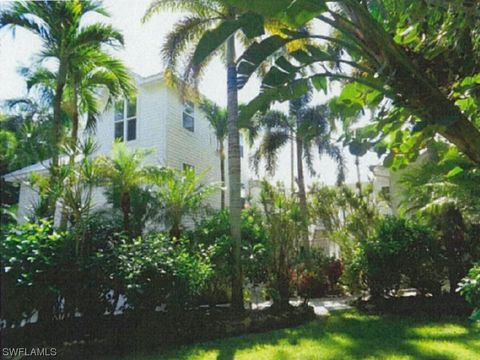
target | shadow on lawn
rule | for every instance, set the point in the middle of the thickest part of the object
(350, 335)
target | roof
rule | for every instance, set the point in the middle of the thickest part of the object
(41, 167)
(21, 174)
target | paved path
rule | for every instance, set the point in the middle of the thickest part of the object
(322, 306)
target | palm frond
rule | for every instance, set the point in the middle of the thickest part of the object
(204, 8)
(95, 34)
(184, 34)
(271, 143)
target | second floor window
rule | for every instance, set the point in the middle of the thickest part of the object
(125, 119)
(188, 116)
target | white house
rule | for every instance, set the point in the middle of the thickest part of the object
(176, 131)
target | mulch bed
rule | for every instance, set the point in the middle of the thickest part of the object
(432, 306)
(78, 338)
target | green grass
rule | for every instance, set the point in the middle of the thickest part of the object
(345, 335)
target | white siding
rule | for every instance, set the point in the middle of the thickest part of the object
(197, 148)
(27, 200)
(151, 104)
(160, 129)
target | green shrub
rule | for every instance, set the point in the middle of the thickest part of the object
(155, 271)
(316, 274)
(469, 288)
(31, 275)
(401, 253)
(214, 232)
(284, 225)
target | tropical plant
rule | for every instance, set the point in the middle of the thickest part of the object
(441, 189)
(442, 177)
(74, 188)
(79, 180)
(203, 28)
(218, 119)
(124, 172)
(30, 255)
(30, 121)
(65, 38)
(348, 218)
(469, 288)
(153, 272)
(93, 70)
(179, 193)
(283, 224)
(385, 49)
(307, 126)
(401, 253)
(214, 232)
(71, 44)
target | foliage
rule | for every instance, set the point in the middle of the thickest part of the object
(469, 288)
(283, 224)
(125, 173)
(155, 271)
(42, 271)
(218, 119)
(309, 275)
(401, 252)
(380, 51)
(443, 177)
(30, 123)
(348, 217)
(71, 44)
(214, 233)
(441, 190)
(180, 194)
(308, 125)
(30, 255)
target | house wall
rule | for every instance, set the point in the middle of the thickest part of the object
(28, 198)
(151, 122)
(197, 148)
(159, 129)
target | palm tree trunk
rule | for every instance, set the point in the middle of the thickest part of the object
(222, 174)
(235, 201)
(57, 109)
(75, 122)
(125, 205)
(302, 195)
(359, 179)
(73, 143)
(57, 134)
(292, 163)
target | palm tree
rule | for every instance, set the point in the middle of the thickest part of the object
(59, 24)
(179, 193)
(309, 128)
(94, 70)
(218, 119)
(204, 17)
(124, 171)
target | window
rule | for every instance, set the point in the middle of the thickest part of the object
(126, 119)
(188, 116)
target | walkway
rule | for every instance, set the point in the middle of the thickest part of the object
(322, 306)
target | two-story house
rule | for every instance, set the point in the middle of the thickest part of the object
(176, 132)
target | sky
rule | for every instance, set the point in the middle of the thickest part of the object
(142, 55)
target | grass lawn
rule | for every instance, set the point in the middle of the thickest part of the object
(345, 335)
